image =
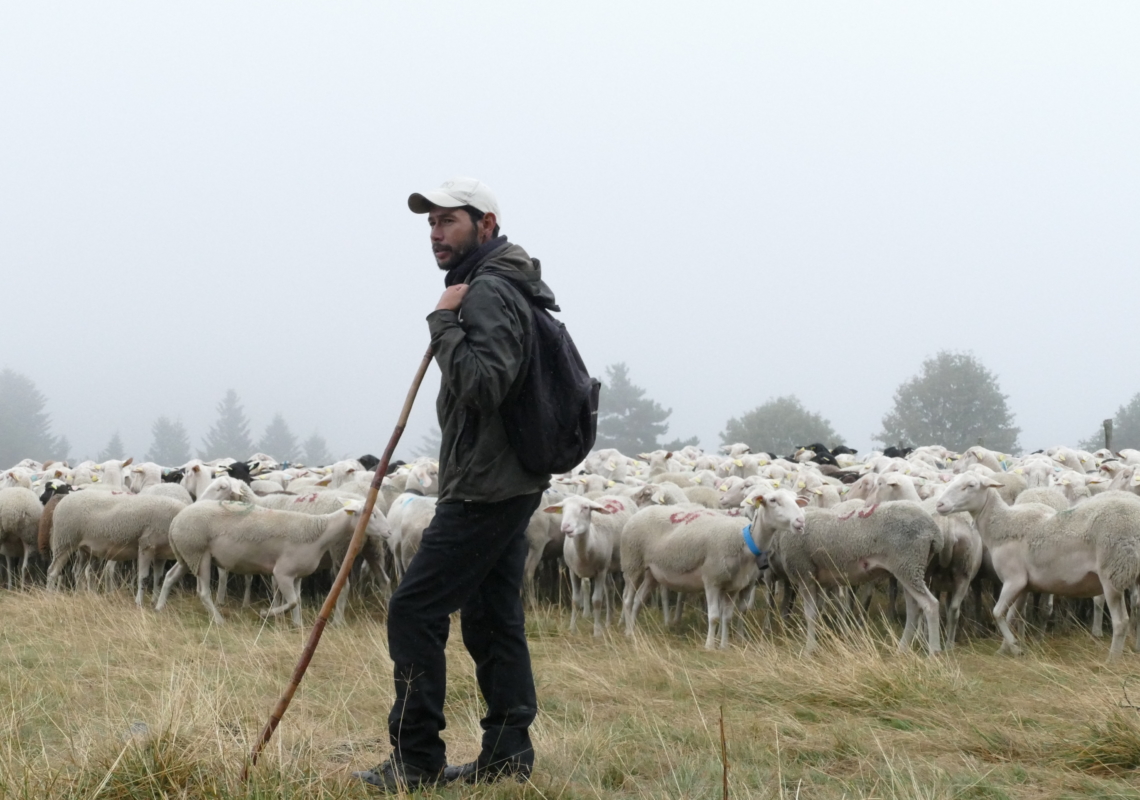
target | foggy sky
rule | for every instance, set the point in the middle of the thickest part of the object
(739, 200)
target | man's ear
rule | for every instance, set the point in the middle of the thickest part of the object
(488, 223)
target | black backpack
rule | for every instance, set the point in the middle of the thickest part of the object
(551, 413)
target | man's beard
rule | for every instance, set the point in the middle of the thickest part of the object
(459, 252)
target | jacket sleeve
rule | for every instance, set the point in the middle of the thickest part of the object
(480, 356)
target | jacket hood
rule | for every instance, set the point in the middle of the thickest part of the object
(512, 262)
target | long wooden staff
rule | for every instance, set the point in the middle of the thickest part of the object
(342, 577)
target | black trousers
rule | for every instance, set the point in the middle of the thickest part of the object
(470, 560)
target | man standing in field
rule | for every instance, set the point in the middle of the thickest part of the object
(472, 554)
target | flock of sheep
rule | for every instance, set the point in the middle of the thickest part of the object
(934, 523)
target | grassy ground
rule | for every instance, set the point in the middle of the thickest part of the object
(100, 699)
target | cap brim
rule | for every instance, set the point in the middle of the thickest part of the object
(425, 202)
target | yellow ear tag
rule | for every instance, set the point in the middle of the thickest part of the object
(800, 484)
(738, 463)
(612, 483)
(1060, 456)
(817, 491)
(1019, 471)
(724, 487)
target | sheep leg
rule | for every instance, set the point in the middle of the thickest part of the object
(648, 584)
(679, 608)
(1118, 610)
(770, 587)
(598, 584)
(247, 597)
(146, 561)
(287, 587)
(727, 610)
(1135, 618)
(893, 599)
(58, 562)
(608, 592)
(341, 603)
(811, 615)
(713, 599)
(920, 597)
(24, 568)
(223, 586)
(110, 570)
(158, 569)
(1011, 592)
(575, 600)
(1098, 616)
(664, 593)
(204, 589)
(954, 609)
(172, 577)
(533, 556)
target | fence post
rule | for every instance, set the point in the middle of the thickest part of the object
(1108, 434)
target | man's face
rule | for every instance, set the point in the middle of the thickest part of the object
(453, 235)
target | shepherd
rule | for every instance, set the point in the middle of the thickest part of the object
(472, 554)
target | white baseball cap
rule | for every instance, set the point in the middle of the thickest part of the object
(455, 193)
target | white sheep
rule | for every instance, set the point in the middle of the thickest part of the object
(143, 475)
(1080, 552)
(690, 550)
(20, 512)
(591, 549)
(245, 538)
(408, 518)
(115, 526)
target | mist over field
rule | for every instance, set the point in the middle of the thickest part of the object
(738, 201)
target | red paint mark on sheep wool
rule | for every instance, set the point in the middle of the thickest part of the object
(866, 512)
(614, 506)
(683, 518)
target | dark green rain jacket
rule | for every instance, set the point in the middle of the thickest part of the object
(481, 350)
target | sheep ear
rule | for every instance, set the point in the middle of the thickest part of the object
(324, 482)
(129, 461)
(992, 484)
(599, 508)
(554, 509)
(801, 501)
(668, 456)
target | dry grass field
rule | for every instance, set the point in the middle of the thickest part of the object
(100, 699)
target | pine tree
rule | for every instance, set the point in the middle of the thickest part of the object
(278, 441)
(113, 450)
(171, 447)
(229, 437)
(25, 429)
(627, 419)
(778, 426)
(955, 402)
(429, 445)
(1125, 429)
(316, 451)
